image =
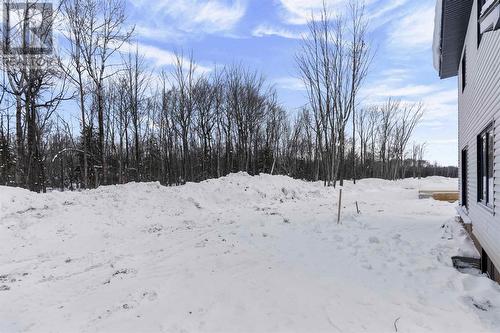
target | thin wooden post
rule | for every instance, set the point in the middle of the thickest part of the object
(340, 205)
(62, 175)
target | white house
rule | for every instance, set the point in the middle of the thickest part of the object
(467, 45)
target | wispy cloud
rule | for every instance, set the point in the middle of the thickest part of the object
(160, 57)
(382, 13)
(445, 142)
(396, 75)
(153, 32)
(265, 30)
(440, 102)
(381, 10)
(413, 31)
(299, 11)
(289, 83)
(389, 90)
(193, 16)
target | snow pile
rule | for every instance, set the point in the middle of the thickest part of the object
(437, 41)
(235, 254)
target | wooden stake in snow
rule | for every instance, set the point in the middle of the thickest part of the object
(340, 205)
(357, 208)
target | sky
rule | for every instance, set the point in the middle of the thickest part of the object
(265, 35)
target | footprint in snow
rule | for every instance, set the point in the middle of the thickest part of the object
(195, 203)
(483, 305)
(150, 295)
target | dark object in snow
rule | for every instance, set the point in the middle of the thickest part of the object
(465, 263)
(121, 271)
(155, 228)
(4, 288)
(396, 323)
(485, 306)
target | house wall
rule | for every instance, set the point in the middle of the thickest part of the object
(479, 106)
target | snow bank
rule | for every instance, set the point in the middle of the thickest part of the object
(239, 253)
(436, 45)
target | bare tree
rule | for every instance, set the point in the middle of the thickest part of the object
(333, 64)
(184, 82)
(102, 36)
(136, 78)
(316, 63)
(74, 30)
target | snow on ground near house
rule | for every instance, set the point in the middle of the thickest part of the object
(238, 254)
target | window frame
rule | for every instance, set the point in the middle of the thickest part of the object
(464, 177)
(490, 16)
(464, 70)
(485, 142)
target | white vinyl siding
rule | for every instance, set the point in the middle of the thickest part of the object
(479, 106)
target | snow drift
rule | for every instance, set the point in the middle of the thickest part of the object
(239, 253)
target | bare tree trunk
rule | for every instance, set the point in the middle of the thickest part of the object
(19, 143)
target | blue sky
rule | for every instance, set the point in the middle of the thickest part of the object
(265, 35)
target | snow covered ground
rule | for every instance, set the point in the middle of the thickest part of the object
(238, 254)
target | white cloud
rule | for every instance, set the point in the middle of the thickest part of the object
(154, 32)
(264, 30)
(444, 142)
(413, 31)
(433, 124)
(217, 16)
(386, 8)
(385, 90)
(194, 16)
(440, 102)
(299, 11)
(290, 83)
(381, 14)
(396, 75)
(159, 56)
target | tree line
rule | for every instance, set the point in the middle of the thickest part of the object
(184, 123)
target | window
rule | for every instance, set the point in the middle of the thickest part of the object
(464, 70)
(485, 159)
(463, 171)
(489, 16)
